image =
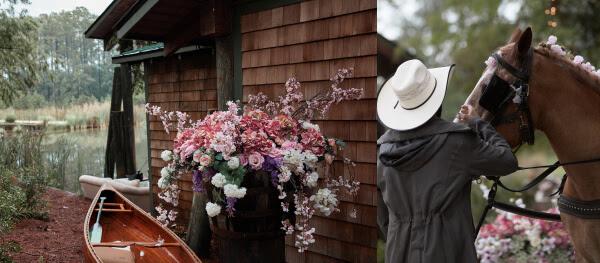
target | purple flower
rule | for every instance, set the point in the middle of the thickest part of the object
(197, 180)
(230, 205)
(271, 165)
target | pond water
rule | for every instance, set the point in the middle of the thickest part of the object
(75, 153)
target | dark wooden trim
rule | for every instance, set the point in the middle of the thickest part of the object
(147, 74)
(224, 65)
(135, 18)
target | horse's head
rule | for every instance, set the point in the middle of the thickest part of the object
(496, 97)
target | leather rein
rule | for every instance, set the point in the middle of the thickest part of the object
(582, 209)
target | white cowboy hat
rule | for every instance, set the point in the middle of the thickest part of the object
(412, 96)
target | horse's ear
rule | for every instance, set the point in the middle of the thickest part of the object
(514, 36)
(524, 42)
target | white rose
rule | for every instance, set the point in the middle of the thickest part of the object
(212, 209)
(311, 179)
(163, 183)
(166, 155)
(232, 190)
(165, 172)
(218, 180)
(233, 163)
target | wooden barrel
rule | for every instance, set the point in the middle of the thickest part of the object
(254, 233)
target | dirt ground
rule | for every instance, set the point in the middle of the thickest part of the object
(58, 240)
(61, 238)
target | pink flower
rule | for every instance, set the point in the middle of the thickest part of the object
(331, 142)
(578, 59)
(558, 50)
(551, 40)
(196, 156)
(312, 140)
(243, 160)
(490, 62)
(287, 145)
(205, 160)
(255, 160)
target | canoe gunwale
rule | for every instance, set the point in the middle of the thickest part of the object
(89, 253)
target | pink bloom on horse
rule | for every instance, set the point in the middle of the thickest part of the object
(551, 40)
(578, 59)
(490, 62)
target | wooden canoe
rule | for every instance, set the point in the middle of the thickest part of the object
(129, 234)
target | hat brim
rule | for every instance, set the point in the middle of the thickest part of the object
(402, 119)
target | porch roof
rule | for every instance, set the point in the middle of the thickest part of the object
(176, 23)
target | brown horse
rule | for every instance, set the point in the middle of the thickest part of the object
(564, 102)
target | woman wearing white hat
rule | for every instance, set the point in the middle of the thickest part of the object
(426, 165)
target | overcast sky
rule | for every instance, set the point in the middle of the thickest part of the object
(48, 6)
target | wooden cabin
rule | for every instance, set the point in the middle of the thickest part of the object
(211, 51)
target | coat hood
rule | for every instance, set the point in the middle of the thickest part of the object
(410, 150)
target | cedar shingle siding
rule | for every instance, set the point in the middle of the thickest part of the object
(311, 40)
(185, 82)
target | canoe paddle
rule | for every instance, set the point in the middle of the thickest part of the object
(96, 235)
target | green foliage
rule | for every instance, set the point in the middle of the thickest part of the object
(10, 118)
(22, 183)
(78, 68)
(29, 101)
(19, 56)
(8, 247)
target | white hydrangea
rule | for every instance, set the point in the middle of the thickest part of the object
(312, 179)
(232, 190)
(296, 159)
(166, 155)
(166, 171)
(325, 201)
(163, 183)
(212, 209)
(218, 180)
(233, 163)
(307, 125)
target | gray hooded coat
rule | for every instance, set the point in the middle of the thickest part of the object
(425, 179)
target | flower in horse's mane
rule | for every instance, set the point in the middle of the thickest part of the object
(212, 209)
(578, 59)
(551, 40)
(490, 62)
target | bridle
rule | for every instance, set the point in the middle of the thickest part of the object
(498, 92)
(494, 98)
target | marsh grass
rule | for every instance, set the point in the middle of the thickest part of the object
(74, 115)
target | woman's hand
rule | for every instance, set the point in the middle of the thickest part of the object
(466, 114)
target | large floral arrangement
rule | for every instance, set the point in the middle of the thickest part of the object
(515, 238)
(273, 137)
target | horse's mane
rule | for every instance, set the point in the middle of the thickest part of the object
(577, 71)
